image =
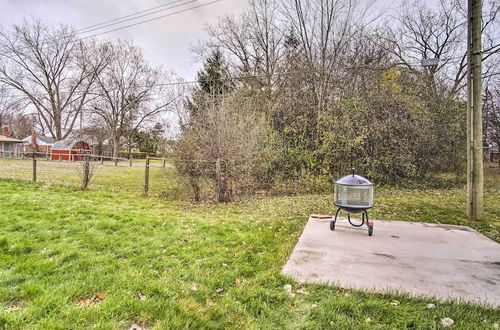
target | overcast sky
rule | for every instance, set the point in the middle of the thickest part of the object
(166, 41)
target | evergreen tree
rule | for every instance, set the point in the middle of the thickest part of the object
(213, 80)
(149, 141)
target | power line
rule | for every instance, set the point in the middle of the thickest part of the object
(82, 30)
(126, 19)
(248, 77)
(94, 26)
(102, 26)
(286, 73)
(149, 20)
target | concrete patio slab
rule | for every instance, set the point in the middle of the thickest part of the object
(443, 261)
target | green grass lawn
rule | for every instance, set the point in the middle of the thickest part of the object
(106, 177)
(162, 263)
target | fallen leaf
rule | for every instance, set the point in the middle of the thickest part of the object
(237, 282)
(368, 320)
(431, 306)
(447, 322)
(84, 302)
(394, 303)
(224, 264)
(11, 309)
(134, 326)
(194, 288)
(91, 301)
(304, 292)
(219, 290)
(292, 304)
(287, 288)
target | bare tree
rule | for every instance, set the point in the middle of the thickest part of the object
(128, 92)
(254, 41)
(226, 142)
(12, 113)
(319, 33)
(423, 32)
(51, 69)
(492, 115)
(329, 82)
(97, 134)
(5, 101)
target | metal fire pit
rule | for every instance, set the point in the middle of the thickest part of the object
(353, 194)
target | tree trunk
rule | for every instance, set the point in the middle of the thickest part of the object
(129, 148)
(116, 147)
(223, 193)
(100, 147)
(196, 188)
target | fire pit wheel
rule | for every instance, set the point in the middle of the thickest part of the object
(364, 219)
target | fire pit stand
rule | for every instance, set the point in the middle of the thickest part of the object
(364, 216)
(353, 194)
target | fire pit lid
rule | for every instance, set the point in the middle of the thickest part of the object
(354, 180)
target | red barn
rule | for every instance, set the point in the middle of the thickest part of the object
(70, 149)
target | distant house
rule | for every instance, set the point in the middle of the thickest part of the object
(9, 147)
(70, 149)
(43, 143)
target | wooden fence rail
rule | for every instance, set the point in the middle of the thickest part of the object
(84, 159)
(72, 157)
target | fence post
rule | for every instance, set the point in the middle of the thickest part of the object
(164, 161)
(146, 176)
(218, 179)
(34, 167)
(86, 173)
(102, 160)
(130, 161)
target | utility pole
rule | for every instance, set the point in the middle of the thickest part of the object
(474, 112)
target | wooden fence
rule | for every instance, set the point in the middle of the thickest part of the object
(85, 159)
